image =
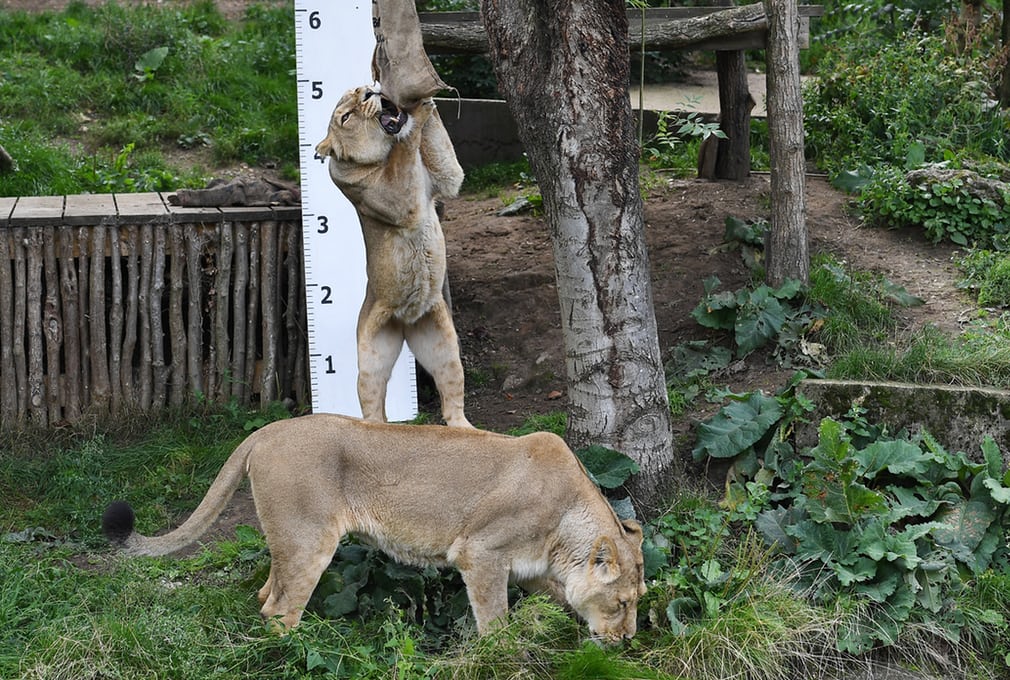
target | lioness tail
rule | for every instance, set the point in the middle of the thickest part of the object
(118, 518)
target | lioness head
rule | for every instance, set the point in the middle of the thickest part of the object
(363, 127)
(607, 596)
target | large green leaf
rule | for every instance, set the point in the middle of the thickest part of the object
(758, 321)
(962, 529)
(899, 457)
(738, 426)
(608, 468)
(910, 503)
(774, 523)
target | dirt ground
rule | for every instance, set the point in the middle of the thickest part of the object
(505, 300)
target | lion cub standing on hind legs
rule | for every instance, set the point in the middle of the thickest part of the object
(392, 165)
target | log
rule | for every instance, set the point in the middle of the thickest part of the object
(130, 236)
(222, 309)
(8, 379)
(145, 379)
(100, 384)
(52, 323)
(271, 331)
(159, 370)
(176, 322)
(252, 316)
(240, 282)
(115, 340)
(71, 337)
(194, 349)
(20, 366)
(33, 320)
(296, 292)
(83, 328)
(463, 33)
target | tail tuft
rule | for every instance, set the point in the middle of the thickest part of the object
(117, 521)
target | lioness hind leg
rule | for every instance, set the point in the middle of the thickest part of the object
(379, 343)
(264, 593)
(295, 568)
(433, 341)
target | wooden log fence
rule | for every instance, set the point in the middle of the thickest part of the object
(118, 303)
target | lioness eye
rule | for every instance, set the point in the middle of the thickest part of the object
(343, 118)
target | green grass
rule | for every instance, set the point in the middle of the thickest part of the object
(74, 93)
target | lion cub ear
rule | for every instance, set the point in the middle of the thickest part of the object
(603, 561)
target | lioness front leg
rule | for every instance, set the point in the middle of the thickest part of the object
(433, 340)
(487, 590)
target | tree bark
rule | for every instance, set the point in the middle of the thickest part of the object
(564, 69)
(787, 247)
(735, 105)
(1004, 88)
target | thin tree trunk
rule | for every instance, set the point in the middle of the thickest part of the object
(735, 105)
(564, 67)
(787, 247)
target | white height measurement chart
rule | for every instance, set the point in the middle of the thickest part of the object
(334, 41)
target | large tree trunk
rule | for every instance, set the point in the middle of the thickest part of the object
(787, 247)
(564, 68)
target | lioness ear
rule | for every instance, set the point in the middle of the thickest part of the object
(633, 529)
(324, 147)
(603, 560)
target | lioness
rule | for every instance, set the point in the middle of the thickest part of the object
(391, 165)
(493, 506)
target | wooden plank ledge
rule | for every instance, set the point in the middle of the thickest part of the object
(118, 209)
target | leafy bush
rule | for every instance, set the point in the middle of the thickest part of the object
(892, 528)
(948, 204)
(873, 100)
(987, 274)
(669, 145)
(756, 316)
